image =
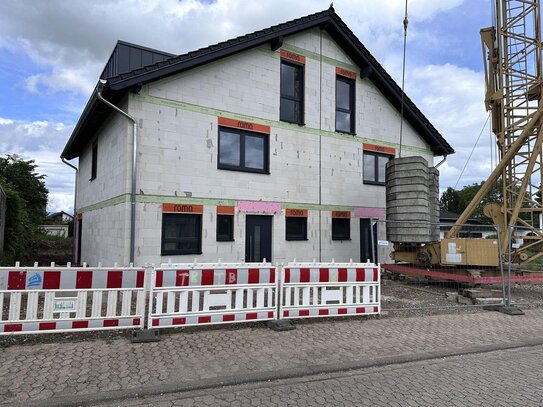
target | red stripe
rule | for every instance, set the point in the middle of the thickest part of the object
(45, 326)
(360, 274)
(140, 279)
(304, 275)
(254, 276)
(179, 321)
(251, 315)
(304, 313)
(287, 279)
(159, 277)
(375, 309)
(204, 320)
(375, 275)
(80, 324)
(361, 310)
(156, 322)
(228, 318)
(13, 327)
(182, 278)
(270, 314)
(111, 322)
(324, 275)
(231, 276)
(83, 279)
(136, 321)
(285, 313)
(51, 280)
(323, 312)
(207, 277)
(114, 279)
(341, 311)
(342, 275)
(272, 275)
(16, 280)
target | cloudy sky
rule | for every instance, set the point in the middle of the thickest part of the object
(52, 52)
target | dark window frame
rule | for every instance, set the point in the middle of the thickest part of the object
(296, 237)
(241, 166)
(94, 161)
(337, 236)
(301, 100)
(177, 217)
(229, 237)
(375, 180)
(352, 102)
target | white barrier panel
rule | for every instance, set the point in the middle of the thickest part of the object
(329, 289)
(200, 294)
(62, 299)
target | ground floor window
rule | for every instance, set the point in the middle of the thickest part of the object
(225, 228)
(296, 228)
(181, 233)
(341, 229)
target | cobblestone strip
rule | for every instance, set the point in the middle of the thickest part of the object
(39, 372)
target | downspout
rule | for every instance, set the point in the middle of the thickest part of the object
(75, 206)
(101, 85)
(441, 162)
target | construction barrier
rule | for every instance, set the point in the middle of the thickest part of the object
(200, 294)
(67, 299)
(329, 289)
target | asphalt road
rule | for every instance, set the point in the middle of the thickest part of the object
(499, 378)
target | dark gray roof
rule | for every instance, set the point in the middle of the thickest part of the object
(117, 87)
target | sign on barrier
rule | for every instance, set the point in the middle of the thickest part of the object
(196, 294)
(329, 289)
(61, 299)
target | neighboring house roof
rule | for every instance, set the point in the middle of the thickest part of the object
(56, 215)
(95, 112)
(446, 216)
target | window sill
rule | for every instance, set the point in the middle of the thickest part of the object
(226, 240)
(350, 133)
(295, 239)
(337, 239)
(178, 254)
(302, 124)
(375, 183)
(244, 170)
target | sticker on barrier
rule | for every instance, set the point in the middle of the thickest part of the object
(329, 289)
(199, 294)
(60, 299)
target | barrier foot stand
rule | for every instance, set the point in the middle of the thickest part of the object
(505, 309)
(145, 335)
(281, 325)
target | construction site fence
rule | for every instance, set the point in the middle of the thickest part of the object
(424, 268)
(523, 265)
(73, 299)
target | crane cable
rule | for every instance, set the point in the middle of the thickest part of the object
(472, 150)
(405, 23)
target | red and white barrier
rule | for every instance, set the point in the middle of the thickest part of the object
(329, 289)
(199, 294)
(60, 299)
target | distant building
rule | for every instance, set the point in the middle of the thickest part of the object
(270, 145)
(57, 224)
(60, 217)
(475, 229)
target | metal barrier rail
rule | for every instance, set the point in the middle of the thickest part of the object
(68, 299)
(329, 289)
(215, 293)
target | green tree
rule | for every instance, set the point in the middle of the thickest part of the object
(457, 200)
(26, 201)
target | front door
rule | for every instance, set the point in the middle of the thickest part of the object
(258, 238)
(366, 235)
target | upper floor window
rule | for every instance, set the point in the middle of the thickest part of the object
(345, 97)
(94, 161)
(242, 150)
(374, 167)
(292, 93)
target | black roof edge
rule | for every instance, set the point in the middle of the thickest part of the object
(116, 87)
(131, 44)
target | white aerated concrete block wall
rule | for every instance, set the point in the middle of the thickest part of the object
(178, 147)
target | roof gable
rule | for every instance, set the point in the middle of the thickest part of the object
(328, 20)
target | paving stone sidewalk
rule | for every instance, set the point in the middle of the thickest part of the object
(56, 373)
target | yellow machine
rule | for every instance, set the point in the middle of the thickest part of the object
(513, 76)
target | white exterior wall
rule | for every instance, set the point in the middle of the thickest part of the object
(178, 142)
(105, 227)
